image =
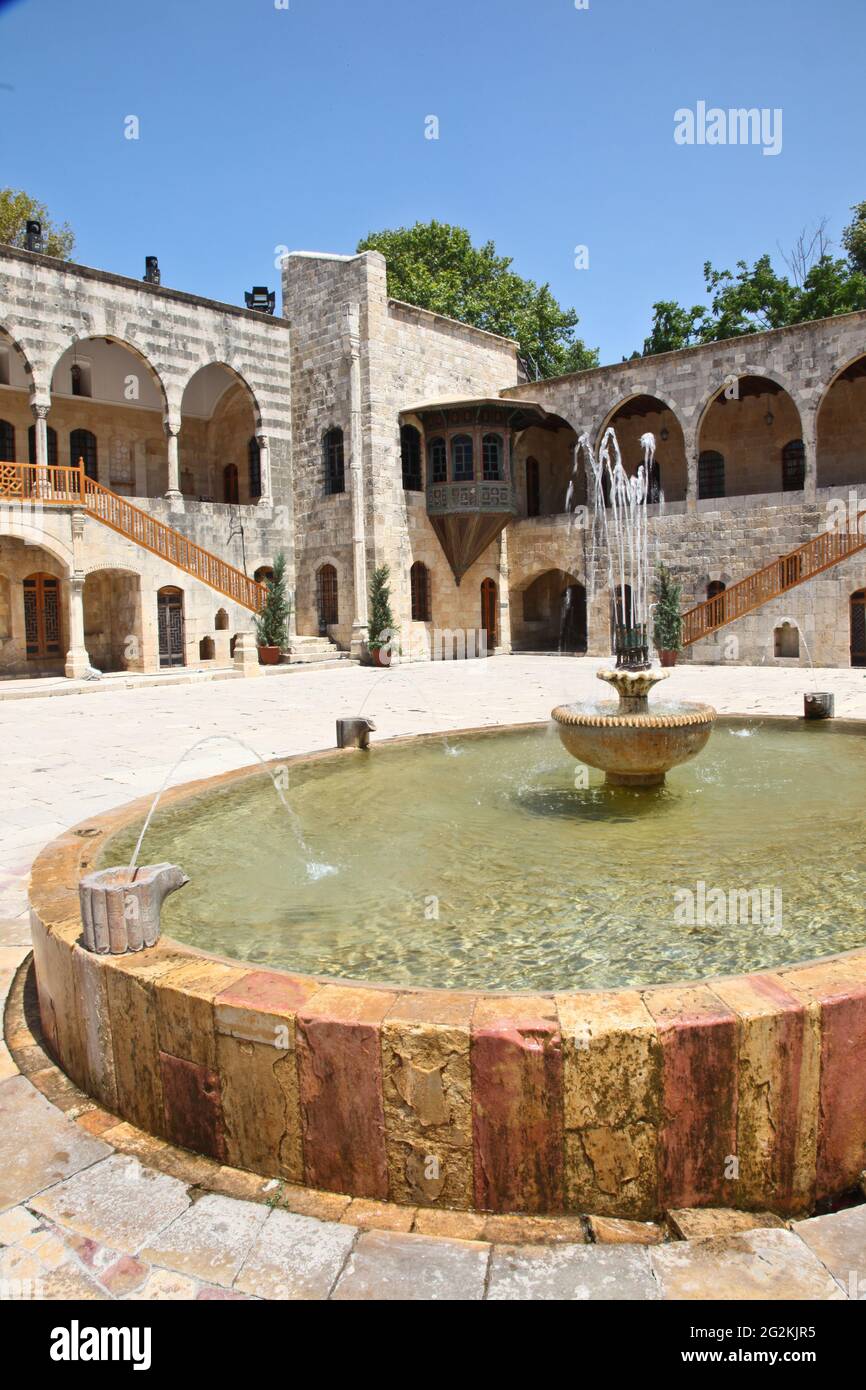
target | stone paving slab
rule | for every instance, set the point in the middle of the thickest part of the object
(755, 1265)
(839, 1241)
(295, 1257)
(38, 1145)
(117, 1202)
(210, 1240)
(574, 1273)
(408, 1268)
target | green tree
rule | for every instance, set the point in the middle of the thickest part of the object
(381, 629)
(435, 266)
(854, 238)
(17, 208)
(273, 620)
(673, 328)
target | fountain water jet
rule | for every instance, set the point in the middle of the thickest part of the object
(634, 745)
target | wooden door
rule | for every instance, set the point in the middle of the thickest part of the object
(858, 628)
(42, 616)
(170, 620)
(490, 612)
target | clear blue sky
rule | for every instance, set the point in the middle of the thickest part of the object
(305, 127)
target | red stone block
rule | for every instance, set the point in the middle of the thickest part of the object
(842, 1123)
(268, 991)
(339, 1056)
(517, 1113)
(193, 1110)
(698, 1036)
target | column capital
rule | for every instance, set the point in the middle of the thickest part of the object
(40, 409)
(171, 426)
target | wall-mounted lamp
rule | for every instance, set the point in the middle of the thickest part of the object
(769, 418)
(664, 434)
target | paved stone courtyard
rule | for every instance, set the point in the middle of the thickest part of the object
(80, 1219)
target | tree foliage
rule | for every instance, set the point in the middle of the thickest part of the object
(435, 266)
(756, 297)
(273, 620)
(17, 208)
(381, 629)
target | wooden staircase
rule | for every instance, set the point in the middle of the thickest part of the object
(49, 486)
(823, 551)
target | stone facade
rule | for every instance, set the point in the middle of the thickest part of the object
(214, 420)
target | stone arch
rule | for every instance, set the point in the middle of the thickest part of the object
(18, 528)
(9, 329)
(219, 416)
(742, 437)
(670, 479)
(840, 426)
(74, 340)
(239, 373)
(113, 630)
(549, 611)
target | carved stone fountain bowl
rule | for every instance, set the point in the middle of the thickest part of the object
(634, 744)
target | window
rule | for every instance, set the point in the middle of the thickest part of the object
(255, 462)
(52, 446)
(230, 483)
(221, 621)
(786, 641)
(462, 469)
(715, 589)
(533, 488)
(438, 459)
(491, 458)
(654, 482)
(420, 581)
(794, 466)
(263, 574)
(7, 442)
(326, 597)
(711, 474)
(410, 456)
(82, 445)
(335, 472)
(206, 649)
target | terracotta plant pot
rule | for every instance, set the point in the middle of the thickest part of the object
(381, 656)
(269, 656)
(668, 658)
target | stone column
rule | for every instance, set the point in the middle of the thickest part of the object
(504, 596)
(356, 473)
(173, 492)
(40, 415)
(77, 658)
(691, 447)
(267, 497)
(810, 445)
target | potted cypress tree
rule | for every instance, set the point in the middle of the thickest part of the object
(381, 627)
(667, 619)
(272, 622)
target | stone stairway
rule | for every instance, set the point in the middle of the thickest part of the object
(306, 651)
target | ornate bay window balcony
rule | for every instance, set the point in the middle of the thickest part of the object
(470, 480)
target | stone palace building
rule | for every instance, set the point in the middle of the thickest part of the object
(158, 449)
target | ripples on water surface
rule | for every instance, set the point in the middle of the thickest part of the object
(537, 884)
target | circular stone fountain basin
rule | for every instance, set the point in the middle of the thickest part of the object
(561, 1094)
(634, 749)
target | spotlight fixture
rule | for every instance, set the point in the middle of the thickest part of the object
(261, 299)
(151, 270)
(33, 236)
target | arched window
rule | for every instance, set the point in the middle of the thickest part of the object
(221, 621)
(7, 442)
(420, 582)
(715, 589)
(51, 460)
(794, 466)
(711, 474)
(82, 445)
(254, 454)
(206, 649)
(326, 597)
(263, 574)
(462, 469)
(437, 457)
(335, 471)
(491, 458)
(533, 488)
(410, 456)
(490, 612)
(230, 483)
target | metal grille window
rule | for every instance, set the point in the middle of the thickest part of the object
(711, 474)
(41, 616)
(7, 442)
(335, 470)
(82, 447)
(438, 460)
(794, 466)
(255, 465)
(410, 456)
(491, 458)
(462, 467)
(420, 582)
(326, 595)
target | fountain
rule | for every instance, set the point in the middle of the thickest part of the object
(634, 744)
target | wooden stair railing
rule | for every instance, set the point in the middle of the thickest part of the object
(35, 485)
(820, 553)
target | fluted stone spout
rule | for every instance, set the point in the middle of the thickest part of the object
(121, 914)
(633, 688)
